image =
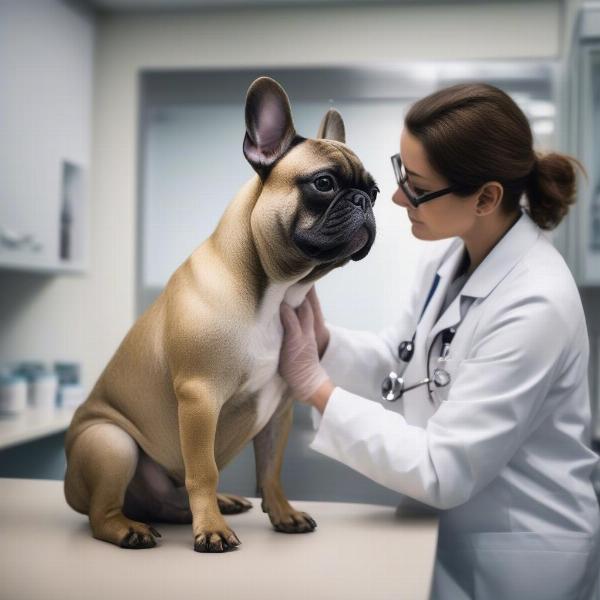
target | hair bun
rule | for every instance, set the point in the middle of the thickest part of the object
(551, 189)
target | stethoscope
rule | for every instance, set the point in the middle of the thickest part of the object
(393, 386)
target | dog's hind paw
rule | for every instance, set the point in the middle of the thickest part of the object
(138, 539)
(229, 504)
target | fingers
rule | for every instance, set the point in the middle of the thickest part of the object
(289, 320)
(316, 305)
(306, 317)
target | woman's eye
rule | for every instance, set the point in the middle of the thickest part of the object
(324, 183)
(419, 191)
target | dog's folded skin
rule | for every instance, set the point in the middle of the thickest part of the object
(195, 378)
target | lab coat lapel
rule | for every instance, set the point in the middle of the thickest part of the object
(446, 271)
(495, 266)
(416, 406)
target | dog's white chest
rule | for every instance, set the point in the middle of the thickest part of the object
(263, 347)
(264, 342)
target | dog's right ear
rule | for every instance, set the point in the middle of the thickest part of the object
(269, 127)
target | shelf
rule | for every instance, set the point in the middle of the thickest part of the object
(33, 424)
(55, 269)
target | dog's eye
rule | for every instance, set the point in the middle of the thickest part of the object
(324, 183)
(374, 191)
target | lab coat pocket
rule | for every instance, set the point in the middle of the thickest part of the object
(530, 565)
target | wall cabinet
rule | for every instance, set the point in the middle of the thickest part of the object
(46, 64)
(579, 238)
(579, 235)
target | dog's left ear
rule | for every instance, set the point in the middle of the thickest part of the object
(269, 126)
(332, 127)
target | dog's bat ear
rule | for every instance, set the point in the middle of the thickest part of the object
(269, 127)
(332, 127)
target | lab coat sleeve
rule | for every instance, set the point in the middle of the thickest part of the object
(359, 360)
(498, 389)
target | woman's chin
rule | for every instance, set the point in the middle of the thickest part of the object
(418, 230)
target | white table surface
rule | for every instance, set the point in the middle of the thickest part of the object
(358, 551)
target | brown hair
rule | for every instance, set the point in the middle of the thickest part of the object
(474, 133)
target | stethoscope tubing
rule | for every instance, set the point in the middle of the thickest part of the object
(391, 381)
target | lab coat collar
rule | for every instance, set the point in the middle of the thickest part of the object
(489, 273)
(502, 257)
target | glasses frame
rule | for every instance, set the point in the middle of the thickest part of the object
(402, 178)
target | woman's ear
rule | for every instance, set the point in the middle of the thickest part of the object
(489, 199)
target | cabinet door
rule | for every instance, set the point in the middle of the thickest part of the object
(590, 194)
(46, 58)
(28, 207)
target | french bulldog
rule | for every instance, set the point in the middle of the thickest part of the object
(195, 378)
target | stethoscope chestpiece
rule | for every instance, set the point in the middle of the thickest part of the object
(392, 387)
(406, 350)
(441, 377)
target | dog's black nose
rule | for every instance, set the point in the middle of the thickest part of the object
(359, 199)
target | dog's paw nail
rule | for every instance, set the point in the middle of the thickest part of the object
(216, 543)
(200, 544)
(154, 532)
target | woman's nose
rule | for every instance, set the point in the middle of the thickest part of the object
(399, 198)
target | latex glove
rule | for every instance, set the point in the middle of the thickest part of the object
(321, 331)
(298, 357)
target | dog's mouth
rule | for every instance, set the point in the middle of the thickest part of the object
(345, 230)
(356, 248)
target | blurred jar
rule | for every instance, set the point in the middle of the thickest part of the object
(29, 370)
(13, 394)
(43, 392)
(70, 392)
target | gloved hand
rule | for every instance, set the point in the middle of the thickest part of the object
(298, 357)
(321, 331)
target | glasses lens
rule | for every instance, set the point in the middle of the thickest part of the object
(407, 186)
(397, 168)
(402, 179)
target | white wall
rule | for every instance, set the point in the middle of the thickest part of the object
(221, 38)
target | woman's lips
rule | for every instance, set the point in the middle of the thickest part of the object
(413, 220)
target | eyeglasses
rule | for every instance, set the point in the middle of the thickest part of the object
(414, 198)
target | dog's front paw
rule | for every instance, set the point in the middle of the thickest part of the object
(216, 541)
(293, 521)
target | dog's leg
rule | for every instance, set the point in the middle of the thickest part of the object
(269, 447)
(198, 411)
(101, 463)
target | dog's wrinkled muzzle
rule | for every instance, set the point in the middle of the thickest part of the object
(337, 232)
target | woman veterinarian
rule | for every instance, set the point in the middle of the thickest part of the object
(499, 438)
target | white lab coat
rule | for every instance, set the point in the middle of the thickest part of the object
(504, 452)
